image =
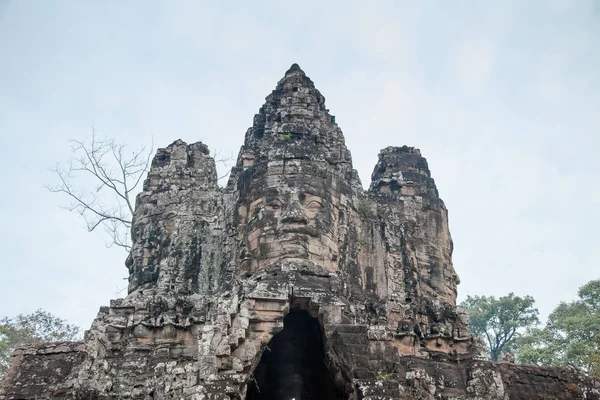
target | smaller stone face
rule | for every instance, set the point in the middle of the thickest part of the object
(172, 213)
(402, 171)
(402, 177)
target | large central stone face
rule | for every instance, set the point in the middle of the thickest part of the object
(292, 177)
(292, 219)
(291, 282)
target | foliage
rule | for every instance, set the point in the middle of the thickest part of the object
(287, 136)
(381, 377)
(571, 336)
(594, 358)
(500, 320)
(364, 209)
(39, 326)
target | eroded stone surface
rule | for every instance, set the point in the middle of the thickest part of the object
(213, 273)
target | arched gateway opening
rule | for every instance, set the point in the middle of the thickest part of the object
(293, 365)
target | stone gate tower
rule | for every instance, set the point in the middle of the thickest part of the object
(290, 283)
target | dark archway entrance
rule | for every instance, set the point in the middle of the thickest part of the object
(293, 364)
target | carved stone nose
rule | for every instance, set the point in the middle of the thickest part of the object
(294, 215)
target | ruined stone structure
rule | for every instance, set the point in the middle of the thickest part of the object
(290, 283)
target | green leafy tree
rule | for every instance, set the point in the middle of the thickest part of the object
(571, 336)
(39, 326)
(594, 358)
(500, 320)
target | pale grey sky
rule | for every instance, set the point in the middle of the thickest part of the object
(502, 97)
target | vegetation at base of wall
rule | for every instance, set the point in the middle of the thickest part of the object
(39, 326)
(569, 338)
(500, 320)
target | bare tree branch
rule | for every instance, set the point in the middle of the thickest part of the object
(100, 180)
(226, 163)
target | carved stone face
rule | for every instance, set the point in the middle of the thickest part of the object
(294, 219)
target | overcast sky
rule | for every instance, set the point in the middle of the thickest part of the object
(502, 98)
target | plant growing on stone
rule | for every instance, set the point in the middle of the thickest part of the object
(570, 338)
(381, 377)
(39, 326)
(287, 136)
(363, 209)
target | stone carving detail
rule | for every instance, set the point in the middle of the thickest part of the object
(290, 282)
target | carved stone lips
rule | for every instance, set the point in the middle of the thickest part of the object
(301, 229)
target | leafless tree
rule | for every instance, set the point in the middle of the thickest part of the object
(101, 179)
(110, 175)
(225, 162)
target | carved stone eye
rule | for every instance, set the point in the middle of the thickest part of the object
(274, 205)
(314, 206)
